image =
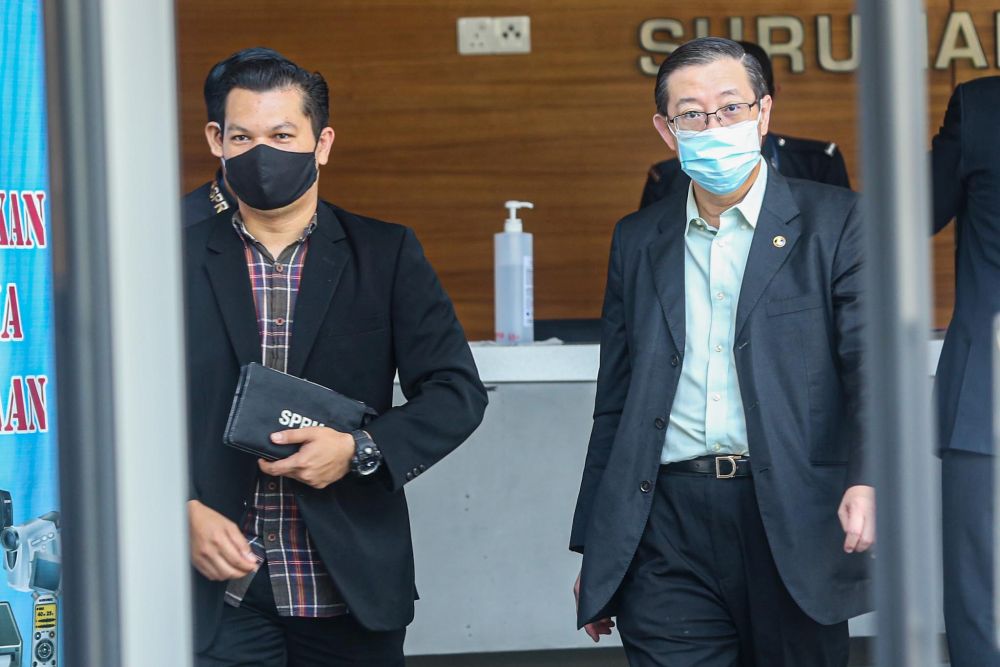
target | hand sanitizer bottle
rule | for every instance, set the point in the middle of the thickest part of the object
(514, 292)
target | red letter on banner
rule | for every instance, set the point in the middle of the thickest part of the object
(16, 409)
(34, 207)
(18, 239)
(4, 238)
(36, 396)
(11, 321)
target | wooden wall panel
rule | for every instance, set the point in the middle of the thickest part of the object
(439, 141)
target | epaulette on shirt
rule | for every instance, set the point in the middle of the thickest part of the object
(797, 145)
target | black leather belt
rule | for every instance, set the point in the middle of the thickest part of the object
(720, 467)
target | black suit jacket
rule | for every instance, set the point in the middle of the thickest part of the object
(369, 304)
(966, 173)
(798, 358)
(795, 158)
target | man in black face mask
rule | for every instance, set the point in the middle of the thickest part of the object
(307, 560)
(214, 197)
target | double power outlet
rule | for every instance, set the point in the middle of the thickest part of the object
(485, 35)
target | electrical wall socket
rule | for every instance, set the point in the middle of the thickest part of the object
(484, 35)
(513, 34)
(476, 35)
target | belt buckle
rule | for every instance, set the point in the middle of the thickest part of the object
(732, 471)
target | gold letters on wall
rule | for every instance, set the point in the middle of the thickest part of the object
(785, 37)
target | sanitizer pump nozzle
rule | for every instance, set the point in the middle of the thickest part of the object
(513, 223)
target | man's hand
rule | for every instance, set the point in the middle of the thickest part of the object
(218, 549)
(857, 518)
(325, 456)
(599, 627)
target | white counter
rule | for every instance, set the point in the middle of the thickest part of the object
(540, 362)
(546, 362)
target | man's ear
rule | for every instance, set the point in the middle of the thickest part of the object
(324, 145)
(766, 104)
(661, 125)
(213, 135)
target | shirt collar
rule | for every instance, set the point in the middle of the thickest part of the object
(240, 226)
(749, 207)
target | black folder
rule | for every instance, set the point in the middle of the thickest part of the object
(267, 401)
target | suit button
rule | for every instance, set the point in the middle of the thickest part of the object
(646, 486)
(409, 476)
(674, 360)
(422, 467)
(659, 423)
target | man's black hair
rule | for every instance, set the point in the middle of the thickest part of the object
(215, 94)
(261, 69)
(703, 51)
(758, 52)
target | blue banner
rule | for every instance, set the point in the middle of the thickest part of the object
(30, 576)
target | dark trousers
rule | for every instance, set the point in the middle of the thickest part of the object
(253, 635)
(967, 513)
(703, 589)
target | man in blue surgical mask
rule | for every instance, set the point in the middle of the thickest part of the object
(725, 514)
(793, 157)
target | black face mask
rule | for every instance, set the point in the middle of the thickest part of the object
(267, 178)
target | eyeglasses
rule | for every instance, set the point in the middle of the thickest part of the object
(696, 121)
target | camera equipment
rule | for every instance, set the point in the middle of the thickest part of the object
(10, 638)
(32, 555)
(43, 634)
(6, 510)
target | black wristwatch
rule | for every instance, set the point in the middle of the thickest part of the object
(367, 457)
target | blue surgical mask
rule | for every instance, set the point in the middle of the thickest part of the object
(720, 159)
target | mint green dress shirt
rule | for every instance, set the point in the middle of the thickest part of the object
(707, 415)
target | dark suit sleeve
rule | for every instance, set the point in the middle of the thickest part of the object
(438, 376)
(651, 190)
(836, 172)
(196, 206)
(612, 388)
(848, 315)
(946, 164)
(661, 179)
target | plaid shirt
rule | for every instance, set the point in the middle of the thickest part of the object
(274, 526)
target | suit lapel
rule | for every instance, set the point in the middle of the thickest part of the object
(227, 272)
(776, 234)
(326, 258)
(666, 259)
